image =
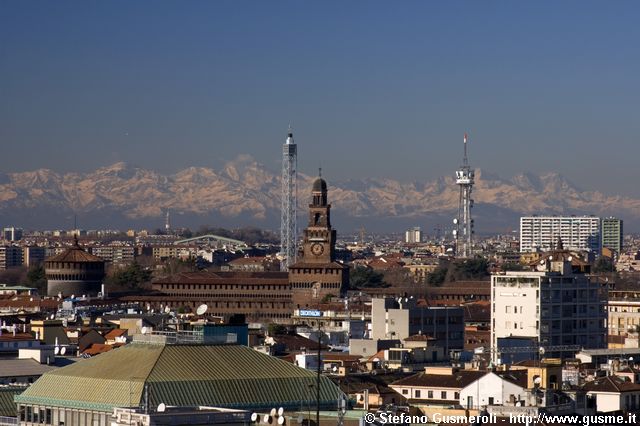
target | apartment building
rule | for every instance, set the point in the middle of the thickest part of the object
(10, 256)
(582, 233)
(552, 306)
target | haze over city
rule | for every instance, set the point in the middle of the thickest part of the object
(250, 213)
(371, 89)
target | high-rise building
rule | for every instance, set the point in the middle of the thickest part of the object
(33, 255)
(10, 256)
(413, 235)
(612, 233)
(553, 308)
(402, 318)
(12, 234)
(317, 274)
(541, 233)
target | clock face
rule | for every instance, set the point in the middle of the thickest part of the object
(317, 249)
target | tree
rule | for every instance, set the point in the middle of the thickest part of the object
(276, 329)
(513, 266)
(467, 269)
(438, 275)
(175, 266)
(361, 276)
(37, 278)
(131, 277)
(327, 298)
(603, 264)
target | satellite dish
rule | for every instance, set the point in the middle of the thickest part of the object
(300, 419)
(537, 380)
(73, 296)
(202, 309)
(167, 309)
(454, 232)
(541, 350)
(550, 257)
(280, 411)
(56, 350)
(273, 412)
(254, 417)
(63, 350)
(161, 407)
(570, 258)
(265, 419)
(144, 330)
(53, 316)
(335, 368)
(455, 221)
(280, 420)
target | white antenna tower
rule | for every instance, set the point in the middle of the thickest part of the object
(167, 224)
(463, 228)
(289, 211)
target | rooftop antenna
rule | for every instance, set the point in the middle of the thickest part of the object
(202, 309)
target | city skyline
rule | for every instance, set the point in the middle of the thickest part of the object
(199, 84)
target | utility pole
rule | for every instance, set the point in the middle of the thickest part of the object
(318, 376)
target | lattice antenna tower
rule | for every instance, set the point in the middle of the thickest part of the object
(289, 210)
(463, 224)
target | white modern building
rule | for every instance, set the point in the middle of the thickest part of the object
(494, 389)
(399, 319)
(553, 308)
(413, 235)
(12, 233)
(582, 233)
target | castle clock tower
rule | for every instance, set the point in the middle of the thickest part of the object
(317, 274)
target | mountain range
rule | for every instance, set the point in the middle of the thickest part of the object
(244, 192)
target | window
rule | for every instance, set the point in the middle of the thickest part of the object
(456, 395)
(430, 394)
(507, 309)
(405, 391)
(515, 309)
(443, 395)
(417, 394)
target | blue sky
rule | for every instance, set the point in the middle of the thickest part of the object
(382, 89)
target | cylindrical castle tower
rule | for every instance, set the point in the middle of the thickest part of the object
(74, 271)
